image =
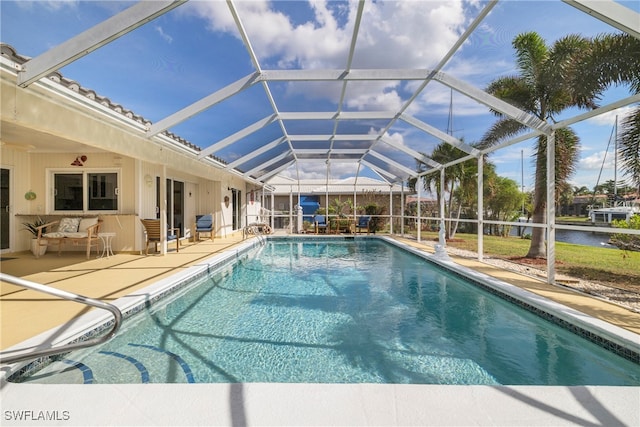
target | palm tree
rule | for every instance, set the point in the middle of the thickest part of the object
(459, 181)
(542, 88)
(614, 59)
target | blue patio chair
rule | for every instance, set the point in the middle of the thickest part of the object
(363, 222)
(320, 223)
(204, 224)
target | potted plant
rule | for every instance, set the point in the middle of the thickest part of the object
(32, 227)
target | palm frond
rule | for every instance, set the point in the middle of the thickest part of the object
(629, 146)
(500, 131)
(514, 90)
(531, 54)
(612, 59)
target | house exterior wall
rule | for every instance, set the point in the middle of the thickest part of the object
(111, 143)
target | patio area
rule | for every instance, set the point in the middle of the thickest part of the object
(26, 313)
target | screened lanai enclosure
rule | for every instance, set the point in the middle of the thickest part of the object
(334, 90)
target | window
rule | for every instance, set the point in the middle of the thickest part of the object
(85, 191)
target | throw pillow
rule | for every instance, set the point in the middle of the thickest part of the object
(86, 223)
(69, 225)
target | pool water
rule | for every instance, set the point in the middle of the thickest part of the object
(360, 311)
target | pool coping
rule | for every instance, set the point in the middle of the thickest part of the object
(277, 404)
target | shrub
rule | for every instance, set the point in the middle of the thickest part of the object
(32, 227)
(629, 242)
(374, 210)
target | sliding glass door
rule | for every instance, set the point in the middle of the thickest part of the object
(175, 203)
(5, 207)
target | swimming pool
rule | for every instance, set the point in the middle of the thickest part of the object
(340, 311)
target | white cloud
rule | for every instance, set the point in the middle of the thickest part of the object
(164, 35)
(594, 161)
(315, 170)
(609, 118)
(393, 34)
(54, 5)
(396, 138)
(375, 100)
(436, 98)
(407, 34)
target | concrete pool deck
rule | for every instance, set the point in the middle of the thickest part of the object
(25, 313)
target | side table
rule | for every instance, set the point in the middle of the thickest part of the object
(106, 244)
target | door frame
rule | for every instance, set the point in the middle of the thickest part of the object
(11, 216)
(171, 202)
(236, 209)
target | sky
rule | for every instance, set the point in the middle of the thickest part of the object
(196, 50)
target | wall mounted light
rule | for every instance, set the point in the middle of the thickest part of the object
(148, 180)
(79, 161)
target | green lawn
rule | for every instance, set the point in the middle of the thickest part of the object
(613, 266)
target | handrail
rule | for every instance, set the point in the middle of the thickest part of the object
(17, 355)
(258, 234)
(254, 228)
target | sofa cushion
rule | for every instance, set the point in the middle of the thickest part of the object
(76, 235)
(54, 235)
(86, 223)
(68, 225)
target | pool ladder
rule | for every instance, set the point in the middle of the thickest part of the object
(12, 356)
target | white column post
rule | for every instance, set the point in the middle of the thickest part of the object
(480, 208)
(163, 211)
(551, 208)
(402, 205)
(419, 192)
(442, 233)
(391, 209)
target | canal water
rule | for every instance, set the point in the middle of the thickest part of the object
(587, 238)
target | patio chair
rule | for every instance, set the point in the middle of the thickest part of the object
(204, 224)
(363, 222)
(320, 222)
(152, 231)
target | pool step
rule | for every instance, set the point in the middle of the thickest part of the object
(143, 364)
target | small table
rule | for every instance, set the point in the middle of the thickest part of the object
(106, 244)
